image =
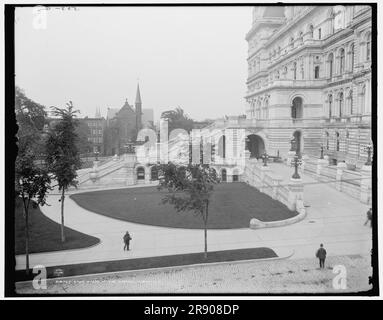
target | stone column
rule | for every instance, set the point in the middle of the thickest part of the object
(339, 171)
(147, 175)
(295, 193)
(277, 182)
(130, 176)
(93, 174)
(365, 184)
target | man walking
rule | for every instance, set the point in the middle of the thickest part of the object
(127, 239)
(321, 255)
(369, 217)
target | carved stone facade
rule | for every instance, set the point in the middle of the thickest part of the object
(309, 76)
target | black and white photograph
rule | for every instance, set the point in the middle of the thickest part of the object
(196, 149)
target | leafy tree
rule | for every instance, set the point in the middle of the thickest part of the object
(63, 158)
(30, 117)
(32, 184)
(177, 119)
(189, 189)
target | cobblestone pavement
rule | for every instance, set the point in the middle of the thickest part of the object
(282, 276)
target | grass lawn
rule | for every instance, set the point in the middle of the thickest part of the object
(45, 234)
(232, 206)
(154, 262)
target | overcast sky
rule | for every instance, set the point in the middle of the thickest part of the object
(192, 57)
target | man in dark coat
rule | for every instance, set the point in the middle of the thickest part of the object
(127, 239)
(369, 217)
(321, 255)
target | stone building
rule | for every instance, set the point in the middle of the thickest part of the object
(123, 125)
(96, 129)
(309, 77)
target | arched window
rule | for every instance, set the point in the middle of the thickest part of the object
(351, 102)
(330, 105)
(337, 141)
(311, 31)
(341, 60)
(140, 173)
(352, 56)
(368, 46)
(222, 147)
(266, 109)
(295, 71)
(297, 108)
(341, 104)
(316, 72)
(327, 141)
(330, 64)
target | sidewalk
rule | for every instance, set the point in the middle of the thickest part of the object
(333, 218)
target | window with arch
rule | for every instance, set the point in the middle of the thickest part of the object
(140, 173)
(327, 140)
(316, 72)
(330, 64)
(341, 104)
(295, 71)
(337, 141)
(297, 108)
(266, 109)
(341, 60)
(351, 102)
(330, 105)
(222, 146)
(352, 49)
(311, 31)
(368, 46)
(319, 33)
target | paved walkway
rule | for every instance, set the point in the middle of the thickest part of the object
(333, 218)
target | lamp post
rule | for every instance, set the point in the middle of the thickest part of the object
(368, 149)
(96, 154)
(293, 146)
(264, 158)
(296, 164)
(321, 152)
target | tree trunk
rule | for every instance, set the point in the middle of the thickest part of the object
(26, 237)
(205, 231)
(205, 228)
(62, 215)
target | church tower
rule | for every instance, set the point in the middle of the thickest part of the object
(138, 105)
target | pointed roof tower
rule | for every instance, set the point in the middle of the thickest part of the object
(138, 94)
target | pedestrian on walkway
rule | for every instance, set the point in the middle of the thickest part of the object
(369, 217)
(127, 239)
(321, 255)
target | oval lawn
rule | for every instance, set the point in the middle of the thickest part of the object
(232, 206)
